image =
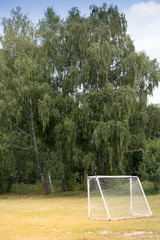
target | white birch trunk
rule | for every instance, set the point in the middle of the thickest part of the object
(50, 182)
(45, 186)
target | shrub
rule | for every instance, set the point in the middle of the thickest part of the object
(149, 168)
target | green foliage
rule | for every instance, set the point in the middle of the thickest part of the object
(73, 97)
(27, 189)
(150, 166)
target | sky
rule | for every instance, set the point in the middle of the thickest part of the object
(143, 17)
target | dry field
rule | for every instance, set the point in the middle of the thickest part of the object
(54, 218)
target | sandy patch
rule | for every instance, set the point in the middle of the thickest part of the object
(138, 234)
(106, 232)
(89, 232)
(68, 232)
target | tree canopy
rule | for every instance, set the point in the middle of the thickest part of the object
(73, 97)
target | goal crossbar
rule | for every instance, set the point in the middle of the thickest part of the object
(116, 197)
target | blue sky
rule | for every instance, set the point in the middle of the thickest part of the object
(143, 17)
(36, 8)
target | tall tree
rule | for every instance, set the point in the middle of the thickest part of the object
(96, 65)
(74, 94)
(24, 80)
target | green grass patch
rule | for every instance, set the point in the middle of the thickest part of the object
(149, 188)
(22, 189)
(27, 189)
(37, 189)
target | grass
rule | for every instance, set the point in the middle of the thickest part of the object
(65, 217)
(36, 189)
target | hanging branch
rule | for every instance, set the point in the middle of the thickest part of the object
(137, 150)
(23, 148)
(18, 128)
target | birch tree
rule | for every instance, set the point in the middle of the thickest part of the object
(24, 81)
(74, 94)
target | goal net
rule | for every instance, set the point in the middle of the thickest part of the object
(116, 197)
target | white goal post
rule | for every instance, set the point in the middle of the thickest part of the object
(116, 197)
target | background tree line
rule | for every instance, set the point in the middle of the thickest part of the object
(73, 98)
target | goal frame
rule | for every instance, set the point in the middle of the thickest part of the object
(104, 201)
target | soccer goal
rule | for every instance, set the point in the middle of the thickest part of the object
(116, 197)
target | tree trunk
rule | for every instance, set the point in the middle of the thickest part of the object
(50, 182)
(34, 139)
(44, 183)
(64, 188)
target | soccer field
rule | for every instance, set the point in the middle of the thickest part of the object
(53, 218)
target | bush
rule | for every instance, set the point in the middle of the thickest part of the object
(149, 168)
(6, 179)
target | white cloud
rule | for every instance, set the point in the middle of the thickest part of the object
(147, 10)
(151, 45)
(156, 99)
(144, 28)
